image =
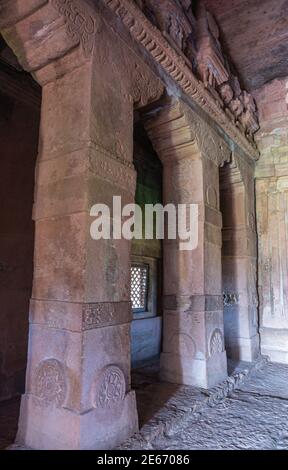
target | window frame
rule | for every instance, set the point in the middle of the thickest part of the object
(152, 287)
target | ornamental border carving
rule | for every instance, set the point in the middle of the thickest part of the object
(110, 388)
(158, 47)
(98, 315)
(81, 25)
(114, 170)
(191, 130)
(210, 144)
(50, 384)
(216, 343)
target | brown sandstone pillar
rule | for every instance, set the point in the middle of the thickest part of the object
(78, 393)
(239, 258)
(193, 344)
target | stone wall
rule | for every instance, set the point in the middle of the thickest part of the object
(19, 124)
(272, 204)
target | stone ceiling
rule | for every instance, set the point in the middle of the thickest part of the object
(255, 36)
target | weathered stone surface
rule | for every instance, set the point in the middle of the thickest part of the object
(238, 415)
(255, 35)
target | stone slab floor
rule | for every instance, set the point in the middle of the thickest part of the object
(254, 416)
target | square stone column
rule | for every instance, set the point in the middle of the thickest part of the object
(239, 261)
(78, 393)
(193, 336)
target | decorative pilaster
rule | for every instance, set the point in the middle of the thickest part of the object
(239, 259)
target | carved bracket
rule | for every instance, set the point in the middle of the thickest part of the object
(81, 25)
(145, 87)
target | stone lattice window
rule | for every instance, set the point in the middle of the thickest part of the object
(139, 287)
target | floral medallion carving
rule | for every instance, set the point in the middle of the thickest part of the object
(80, 24)
(216, 343)
(50, 382)
(110, 387)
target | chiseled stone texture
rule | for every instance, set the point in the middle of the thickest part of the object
(254, 33)
(252, 416)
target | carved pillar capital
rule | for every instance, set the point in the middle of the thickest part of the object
(192, 137)
(42, 32)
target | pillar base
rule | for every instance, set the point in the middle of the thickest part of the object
(190, 371)
(243, 349)
(52, 428)
(274, 344)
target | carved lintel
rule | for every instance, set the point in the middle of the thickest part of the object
(175, 65)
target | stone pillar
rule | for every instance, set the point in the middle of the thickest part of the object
(193, 343)
(239, 259)
(78, 393)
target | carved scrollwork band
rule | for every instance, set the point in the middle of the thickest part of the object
(102, 314)
(114, 170)
(176, 66)
(81, 25)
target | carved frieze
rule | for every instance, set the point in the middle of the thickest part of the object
(102, 314)
(176, 22)
(210, 59)
(118, 172)
(175, 64)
